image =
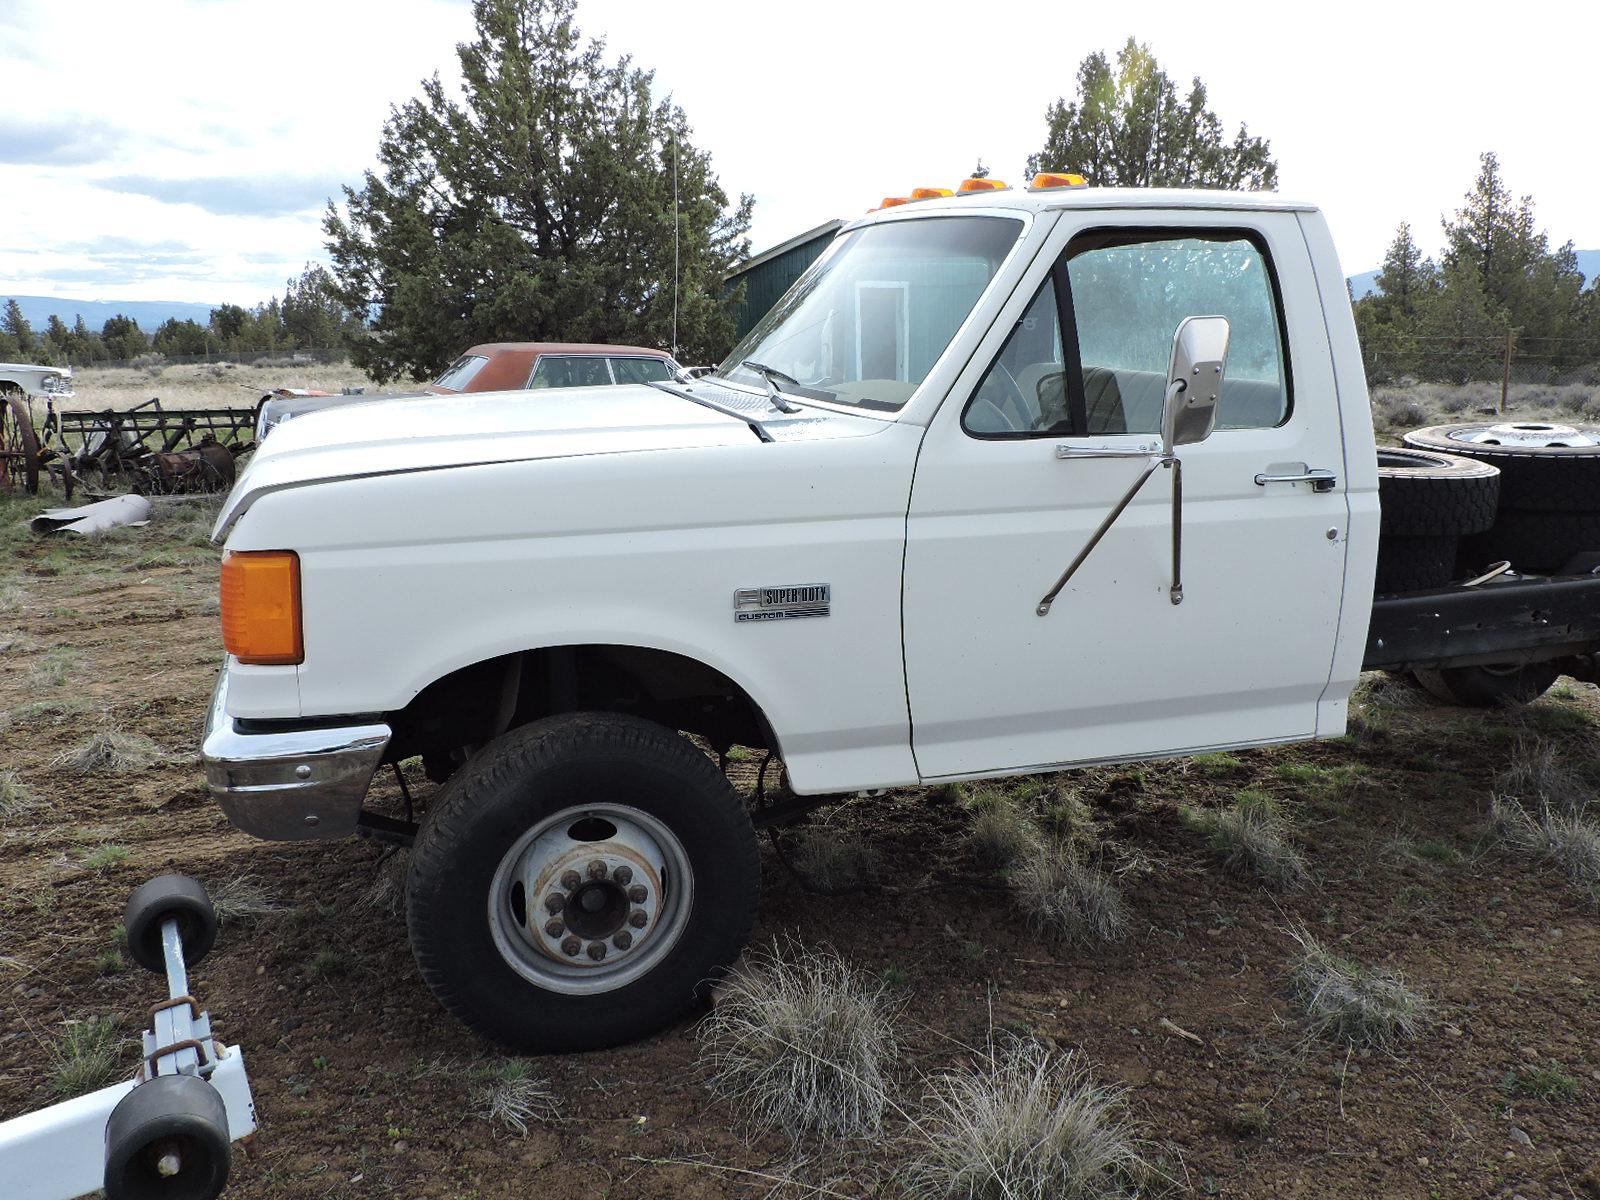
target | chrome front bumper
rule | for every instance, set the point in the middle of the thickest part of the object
(289, 784)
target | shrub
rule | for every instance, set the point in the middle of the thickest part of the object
(1026, 1124)
(16, 798)
(1349, 1002)
(801, 1040)
(1065, 898)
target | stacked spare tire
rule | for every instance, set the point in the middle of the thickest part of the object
(1432, 503)
(1548, 514)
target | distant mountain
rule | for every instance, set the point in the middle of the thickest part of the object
(95, 313)
(1366, 283)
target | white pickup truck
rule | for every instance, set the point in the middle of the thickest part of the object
(1010, 481)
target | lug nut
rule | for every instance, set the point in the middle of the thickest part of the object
(570, 880)
(571, 946)
(638, 894)
(554, 902)
(638, 918)
(597, 950)
(597, 870)
(623, 875)
(622, 940)
(554, 929)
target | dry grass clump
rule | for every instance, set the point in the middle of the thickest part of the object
(16, 798)
(1002, 833)
(386, 893)
(801, 1040)
(510, 1095)
(832, 860)
(1570, 841)
(112, 750)
(85, 1059)
(1251, 839)
(1538, 772)
(1027, 1124)
(1066, 898)
(1349, 1002)
(241, 900)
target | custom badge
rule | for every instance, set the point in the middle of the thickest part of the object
(782, 603)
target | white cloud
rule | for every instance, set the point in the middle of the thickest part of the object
(1376, 111)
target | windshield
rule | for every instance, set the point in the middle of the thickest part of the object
(865, 324)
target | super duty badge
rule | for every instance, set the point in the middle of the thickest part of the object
(781, 603)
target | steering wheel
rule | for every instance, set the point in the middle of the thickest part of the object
(1013, 399)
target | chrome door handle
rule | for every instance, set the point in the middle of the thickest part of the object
(1319, 479)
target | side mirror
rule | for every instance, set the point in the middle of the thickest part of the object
(1194, 380)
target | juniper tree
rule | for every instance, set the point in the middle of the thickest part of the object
(539, 205)
(1127, 127)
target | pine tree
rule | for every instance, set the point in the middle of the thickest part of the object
(540, 207)
(16, 327)
(1128, 128)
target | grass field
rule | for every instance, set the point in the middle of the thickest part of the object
(206, 385)
(1364, 967)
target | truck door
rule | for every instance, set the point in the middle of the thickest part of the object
(1003, 501)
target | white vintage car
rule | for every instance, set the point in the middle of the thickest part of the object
(35, 381)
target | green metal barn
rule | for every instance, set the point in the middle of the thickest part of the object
(768, 275)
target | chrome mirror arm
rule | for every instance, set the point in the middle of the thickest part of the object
(1166, 458)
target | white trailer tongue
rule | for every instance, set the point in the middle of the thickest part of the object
(167, 1132)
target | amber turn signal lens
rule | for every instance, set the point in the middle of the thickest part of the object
(930, 193)
(981, 185)
(1055, 179)
(261, 607)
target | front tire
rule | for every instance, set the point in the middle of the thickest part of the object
(580, 883)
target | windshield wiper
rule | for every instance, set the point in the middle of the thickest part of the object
(756, 427)
(768, 374)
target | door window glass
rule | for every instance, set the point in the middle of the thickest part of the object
(640, 370)
(1129, 293)
(562, 371)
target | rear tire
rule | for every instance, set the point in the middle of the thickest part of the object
(1488, 686)
(575, 795)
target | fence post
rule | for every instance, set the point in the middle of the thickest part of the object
(1505, 370)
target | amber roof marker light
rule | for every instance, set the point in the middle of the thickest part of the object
(975, 184)
(261, 607)
(1045, 180)
(930, 193)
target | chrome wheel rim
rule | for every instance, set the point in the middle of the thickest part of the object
(1537, 435)
(590, 899)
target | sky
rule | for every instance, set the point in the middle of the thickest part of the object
(185, 149)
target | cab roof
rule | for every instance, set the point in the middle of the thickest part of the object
(1054, 199)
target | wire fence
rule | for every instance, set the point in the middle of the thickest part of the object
(1503, 359)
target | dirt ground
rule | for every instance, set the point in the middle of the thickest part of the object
(366, 1087)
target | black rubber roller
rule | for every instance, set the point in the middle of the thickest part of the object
(177, 897)
(168, 1140)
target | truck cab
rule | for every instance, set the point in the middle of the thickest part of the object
(1010, 481)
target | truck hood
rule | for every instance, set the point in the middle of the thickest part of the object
(391, 436)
